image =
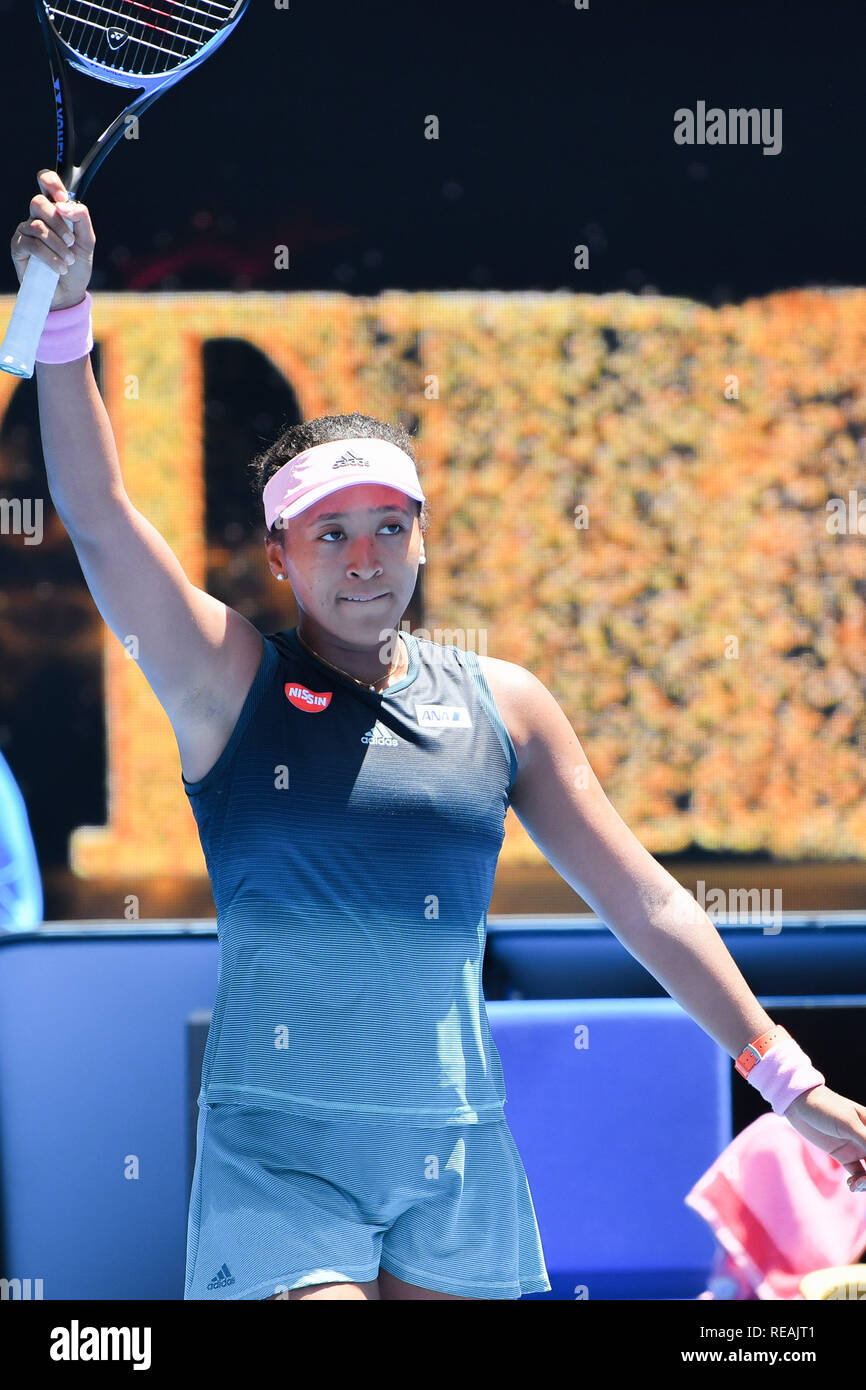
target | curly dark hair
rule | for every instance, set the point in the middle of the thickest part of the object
(324, 430)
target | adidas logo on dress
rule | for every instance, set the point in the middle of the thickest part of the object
(222, 1278)
(379, 735)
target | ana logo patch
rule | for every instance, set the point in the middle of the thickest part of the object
(438, 717)
(311, 701)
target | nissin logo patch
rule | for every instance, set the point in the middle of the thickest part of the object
(443, 717)
(313, 701)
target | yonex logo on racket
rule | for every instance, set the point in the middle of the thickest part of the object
(311, 701)
(61, 133)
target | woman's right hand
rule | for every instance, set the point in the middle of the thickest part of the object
(45, 236)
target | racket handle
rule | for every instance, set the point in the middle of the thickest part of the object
(19, 347)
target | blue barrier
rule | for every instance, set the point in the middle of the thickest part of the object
(617, 1107)
(96, 1103)
(92, 1082)
(579, 958)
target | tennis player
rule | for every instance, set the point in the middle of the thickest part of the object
(350, 782)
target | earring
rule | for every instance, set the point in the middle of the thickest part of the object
(281, 576)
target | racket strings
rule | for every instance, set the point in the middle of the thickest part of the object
(137, 37)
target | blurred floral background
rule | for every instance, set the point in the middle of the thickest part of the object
(633, 496)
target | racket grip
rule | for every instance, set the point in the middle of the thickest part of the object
(19, 347)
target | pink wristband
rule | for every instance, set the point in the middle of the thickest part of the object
(783, 1073)
(68, 333)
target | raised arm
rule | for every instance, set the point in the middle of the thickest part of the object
(197, 654)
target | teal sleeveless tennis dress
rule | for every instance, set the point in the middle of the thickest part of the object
(351, 839)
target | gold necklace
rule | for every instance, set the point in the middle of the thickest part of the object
(365, 684)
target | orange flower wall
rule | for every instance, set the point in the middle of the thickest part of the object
(628, 496)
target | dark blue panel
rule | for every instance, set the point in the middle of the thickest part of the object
(590, 962)
(614, 1133)
(92, 1083)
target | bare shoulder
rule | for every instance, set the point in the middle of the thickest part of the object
(516, 692)
(543, 738)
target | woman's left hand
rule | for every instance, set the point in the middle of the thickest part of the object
(836, 1125)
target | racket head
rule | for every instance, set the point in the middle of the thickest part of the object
(89, 36)
(126, 51)
(132, 51)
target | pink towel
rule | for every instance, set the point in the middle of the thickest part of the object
(779, 1207)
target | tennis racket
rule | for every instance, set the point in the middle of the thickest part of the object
(144, 44)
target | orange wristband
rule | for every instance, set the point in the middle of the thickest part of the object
(754, 1051)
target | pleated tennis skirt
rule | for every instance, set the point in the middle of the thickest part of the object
(281, 1201)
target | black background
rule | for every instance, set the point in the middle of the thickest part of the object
(556, 127)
